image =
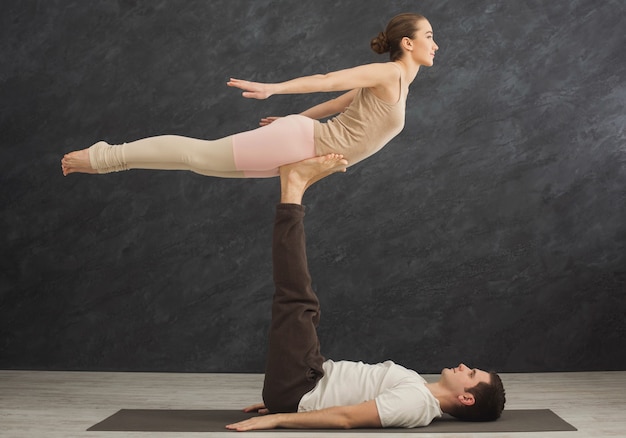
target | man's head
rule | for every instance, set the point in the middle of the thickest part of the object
(475, 395)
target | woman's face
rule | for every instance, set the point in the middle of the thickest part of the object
(423, 44)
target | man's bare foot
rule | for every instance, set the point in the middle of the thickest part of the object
(296, 178)
(77, 161)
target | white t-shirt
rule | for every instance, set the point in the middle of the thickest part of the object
(401, 395)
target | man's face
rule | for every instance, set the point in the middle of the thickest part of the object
(462, 377)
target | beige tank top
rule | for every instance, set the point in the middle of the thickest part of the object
(367, 125)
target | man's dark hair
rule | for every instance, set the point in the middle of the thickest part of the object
(489, 401)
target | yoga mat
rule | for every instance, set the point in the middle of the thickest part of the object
(157, 420)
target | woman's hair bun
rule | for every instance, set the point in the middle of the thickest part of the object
(380, 44)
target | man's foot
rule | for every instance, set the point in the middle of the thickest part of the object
(295, 178)
(77, 161)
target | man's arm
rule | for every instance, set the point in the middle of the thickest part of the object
(339, 417)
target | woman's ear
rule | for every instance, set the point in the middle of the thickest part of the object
(407, 44)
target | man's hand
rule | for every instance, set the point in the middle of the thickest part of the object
(255, 423)
(258, 408)
(252, 90)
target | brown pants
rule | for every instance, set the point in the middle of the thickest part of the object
(294, 362)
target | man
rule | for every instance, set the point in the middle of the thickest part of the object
(302, 389)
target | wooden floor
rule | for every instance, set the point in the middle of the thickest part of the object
(64, 404)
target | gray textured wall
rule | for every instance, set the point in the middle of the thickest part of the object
(491, 231)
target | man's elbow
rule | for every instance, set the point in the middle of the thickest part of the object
(346, 424)
(343, 420)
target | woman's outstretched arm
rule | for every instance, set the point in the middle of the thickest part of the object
(363, 76)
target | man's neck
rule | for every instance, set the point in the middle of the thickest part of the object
(442, 394)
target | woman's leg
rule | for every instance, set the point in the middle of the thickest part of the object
(263, 150)
(166, 152)
(256, 153)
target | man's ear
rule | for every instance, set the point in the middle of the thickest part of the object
(467, 399)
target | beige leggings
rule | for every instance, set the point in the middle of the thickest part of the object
(167, 152)
(251, 154)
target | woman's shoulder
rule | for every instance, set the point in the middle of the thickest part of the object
(389, 66)
(391, 89)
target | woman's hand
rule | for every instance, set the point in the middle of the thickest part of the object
(252, 90)
(267, 120)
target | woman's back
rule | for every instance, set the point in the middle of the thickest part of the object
(366, 125)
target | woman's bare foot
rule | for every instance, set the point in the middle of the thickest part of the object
(77, 161)
(297, 177)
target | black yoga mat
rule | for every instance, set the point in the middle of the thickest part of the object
(157, 420)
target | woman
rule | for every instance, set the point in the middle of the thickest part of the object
(371, 113)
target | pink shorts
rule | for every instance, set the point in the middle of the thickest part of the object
(260, 152)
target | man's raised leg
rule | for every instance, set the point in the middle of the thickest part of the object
(294, 361)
